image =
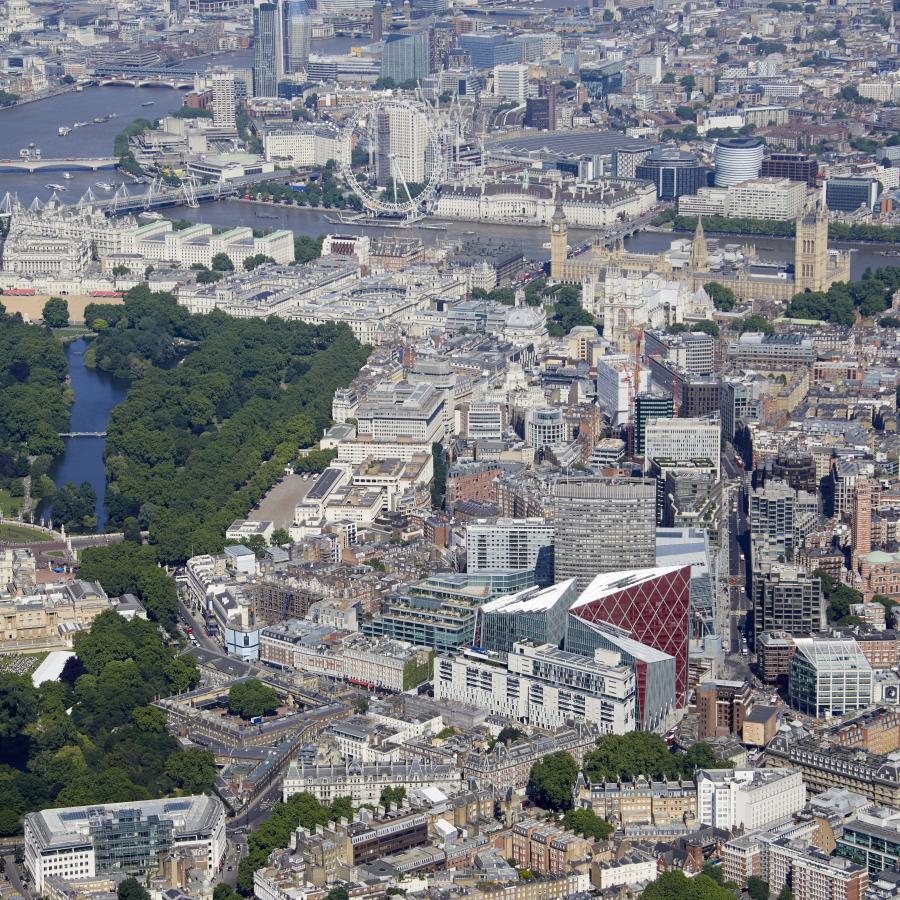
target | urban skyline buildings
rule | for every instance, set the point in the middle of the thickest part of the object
(405, 57)
(651, 605)
(603, 525)
(282, 35)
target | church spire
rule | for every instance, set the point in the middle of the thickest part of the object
(699, 258)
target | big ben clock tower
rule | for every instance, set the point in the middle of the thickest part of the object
(558, 242)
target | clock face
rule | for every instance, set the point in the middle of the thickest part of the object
(556, 227)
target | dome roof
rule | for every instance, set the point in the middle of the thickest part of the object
(523, 317)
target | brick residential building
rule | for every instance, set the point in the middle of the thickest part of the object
(722, 707)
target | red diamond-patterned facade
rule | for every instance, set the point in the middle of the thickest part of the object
(651, 605)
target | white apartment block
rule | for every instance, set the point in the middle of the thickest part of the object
(481, 420)
(409, 144)
(306, 145)
(614, 387)
(224, 99)
(759, 198)
(511, 82)
(198, 244)
(358, 451)
(683, 440)
(364, 783)
(507, 543)
(880, 91)
(748, 798)
(608, 202)
(84, 841)
(650, 67)
(542, 686)
(633, 868)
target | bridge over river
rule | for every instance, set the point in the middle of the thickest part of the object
(44, 164)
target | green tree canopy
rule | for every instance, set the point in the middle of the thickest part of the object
(551, 781)
(221, 262)
(676, 885)
(131, 889)
(56, 312)
(755, 322)
(280, 537)
(258, 259)
(195, 446)
(723, 298)
(300, 810)
(643, 753)
(18, 704)
(588, 824)
(252, 698)
(306, 248)
(392, 797)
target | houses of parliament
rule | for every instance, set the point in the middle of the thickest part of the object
(816, 267)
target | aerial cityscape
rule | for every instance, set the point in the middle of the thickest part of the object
(449, 449)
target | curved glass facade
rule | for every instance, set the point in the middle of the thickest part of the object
(738, 159)
(674, 172)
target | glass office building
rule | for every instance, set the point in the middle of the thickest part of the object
(405, 56)
(488, 50)
(534, 614)
(829, 677)
(674, 172)
(298, 35)
(266, 41)
(849, 194)
(440, 612)
(654, 670)
(122, 838)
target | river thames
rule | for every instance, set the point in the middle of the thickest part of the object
(38, 123)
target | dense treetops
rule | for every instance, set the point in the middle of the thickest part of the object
(629, 756)
(195, 445)
(252, 698)
(112, 746)
(870, 295)
(677, 886)
(617, 757)
(551, 781)
(129, 568)
(35, 405)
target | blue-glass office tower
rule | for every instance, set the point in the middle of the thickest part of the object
(297, 35)
(489, 50)
(267, 46)
(405, 56)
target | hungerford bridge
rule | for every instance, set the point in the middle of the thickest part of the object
(157, 194)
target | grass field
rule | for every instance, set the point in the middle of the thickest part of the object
(21, 534)
(71, 333)
(9, 505)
